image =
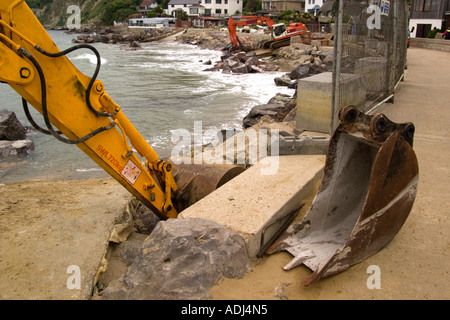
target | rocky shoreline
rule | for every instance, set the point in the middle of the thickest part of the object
(299, 60)
(122, 36)
(303, 60)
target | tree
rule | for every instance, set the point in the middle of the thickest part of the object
(181, 14)
(252, 5)
(118, 11)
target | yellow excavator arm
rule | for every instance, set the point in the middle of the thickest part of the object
(76, 108)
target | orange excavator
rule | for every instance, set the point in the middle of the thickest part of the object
(281, 35)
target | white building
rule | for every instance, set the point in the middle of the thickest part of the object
(208, 8)
(312, 6)
(151, 22)
(283, 5)
(146, 6)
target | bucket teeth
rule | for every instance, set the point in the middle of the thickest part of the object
(366, 194)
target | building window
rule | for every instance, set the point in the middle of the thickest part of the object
(193, 11)
(226, 2)
(219, 11)
(207, 1)
(427, 5)
(218, 1)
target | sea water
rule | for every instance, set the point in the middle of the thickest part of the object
(161, 89)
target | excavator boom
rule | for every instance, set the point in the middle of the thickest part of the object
(77, 110)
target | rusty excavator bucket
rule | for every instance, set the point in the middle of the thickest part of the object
(195, 181)
(367, 191)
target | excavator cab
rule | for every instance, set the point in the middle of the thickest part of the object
(278, 30)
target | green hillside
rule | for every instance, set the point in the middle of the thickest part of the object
(53, 13)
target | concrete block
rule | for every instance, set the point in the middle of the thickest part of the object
(314, 99)
(304, 144)
(254, 200)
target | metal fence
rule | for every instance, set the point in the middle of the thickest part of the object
(370, 53)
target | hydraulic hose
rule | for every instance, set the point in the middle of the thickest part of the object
(44, 102)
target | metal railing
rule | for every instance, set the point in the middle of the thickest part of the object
(370, 42)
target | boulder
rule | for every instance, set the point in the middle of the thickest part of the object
(232, 63)
(256, 69)
(299, 72)
(10, 127)
(252, 61)
(279, 98)
(328, 60)
(144, 219)
(291, 116)
(270, 67)
(224, 134)
(248, 55)
(15, 148)
(257, 112)
(181, 259)
(241, 68)
(283, 81)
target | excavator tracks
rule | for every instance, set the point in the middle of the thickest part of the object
(276, 44)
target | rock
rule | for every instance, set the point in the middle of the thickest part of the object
(291, 116)
(144, 219)
(271, 67)
(15, 148)
(241, 68)
(128, 250)
(225, 134)
(299, 72)
(328, 61)
(257, 112)
(324, 54)
(276, 110)
(282, 81)
(257, 69)
(252, 61)
(279, 98)
(133, 46)
(241, 56)
(10, 127)
(182, 259)
(248, 55)
(232, 63)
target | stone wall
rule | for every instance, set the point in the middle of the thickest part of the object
(433, 44)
